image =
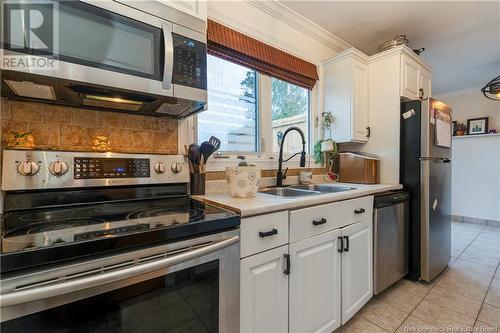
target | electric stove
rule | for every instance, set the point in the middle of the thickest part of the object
(62, 206)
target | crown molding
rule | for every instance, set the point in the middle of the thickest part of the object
(398, 50)
(288, 16)
(349, 53)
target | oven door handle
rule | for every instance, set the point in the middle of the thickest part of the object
(168, 66)
(66, 287)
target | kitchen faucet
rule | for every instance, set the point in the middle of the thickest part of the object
(282, 175)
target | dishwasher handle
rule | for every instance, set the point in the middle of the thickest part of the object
(390, 199)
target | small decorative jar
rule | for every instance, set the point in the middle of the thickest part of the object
(243, 181)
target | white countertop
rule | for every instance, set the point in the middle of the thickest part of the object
(265, 203)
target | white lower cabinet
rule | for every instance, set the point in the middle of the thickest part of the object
(315, 283)
(357, 267)
(264, 292)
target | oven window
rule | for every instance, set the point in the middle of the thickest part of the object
(184, 301)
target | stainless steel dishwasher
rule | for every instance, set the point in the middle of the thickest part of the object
(390, 238)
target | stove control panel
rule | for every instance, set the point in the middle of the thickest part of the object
(94, 167)
(25, 170)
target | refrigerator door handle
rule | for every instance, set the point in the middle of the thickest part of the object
(435, 159)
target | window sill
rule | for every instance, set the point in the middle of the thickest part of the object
(263, 163)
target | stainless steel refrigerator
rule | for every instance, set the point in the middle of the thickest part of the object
(425, 171)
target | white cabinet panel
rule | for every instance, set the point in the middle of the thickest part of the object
(346, 95)
(360, 101)
(315, 284)
(338, 98)
(357, 268)
(263, 232)
(334, 215)
(425, 88)
(264, 292)
(197, 8)
(409, 77)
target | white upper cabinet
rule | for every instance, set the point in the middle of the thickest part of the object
(409, 77)
(264, 292)
(415, 79)
(315, 283)
(346, 95)
(357, 267)
(425, 87)
(197, 8)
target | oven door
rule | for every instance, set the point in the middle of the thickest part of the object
(190, 286)
(110, 44)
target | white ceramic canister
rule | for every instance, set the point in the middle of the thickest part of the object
(243, 181)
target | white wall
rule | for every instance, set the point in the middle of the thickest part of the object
(471, 103)
(476, 177)
(475, 160)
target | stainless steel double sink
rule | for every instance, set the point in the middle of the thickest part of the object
(304, 190)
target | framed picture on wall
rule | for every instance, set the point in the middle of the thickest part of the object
(477, 126)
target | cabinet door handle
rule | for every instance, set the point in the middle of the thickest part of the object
(421, 93)
(287, 264)
(319, 222)
(359, 211)
(341, 243)
(346, 249)
(263, 234)
(368, 131)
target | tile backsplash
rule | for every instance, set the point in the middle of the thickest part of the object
(67, 128)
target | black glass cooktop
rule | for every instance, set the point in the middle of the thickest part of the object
(44, 236)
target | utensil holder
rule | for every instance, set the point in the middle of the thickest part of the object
(197, 183)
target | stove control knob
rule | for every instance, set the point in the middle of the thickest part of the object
(28, 168)
(160, 168)
(176, 167)
(58, 168)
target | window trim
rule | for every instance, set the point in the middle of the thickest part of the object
(264, 158)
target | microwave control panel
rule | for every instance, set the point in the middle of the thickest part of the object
(190, 62)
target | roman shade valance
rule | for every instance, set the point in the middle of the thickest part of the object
(246, 51)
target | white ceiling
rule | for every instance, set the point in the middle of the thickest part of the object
(461, 39)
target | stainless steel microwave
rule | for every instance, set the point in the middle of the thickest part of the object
(128, 56)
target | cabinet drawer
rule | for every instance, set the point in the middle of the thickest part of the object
(260, 233)
(315, 220)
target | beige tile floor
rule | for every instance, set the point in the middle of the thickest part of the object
(464, 298)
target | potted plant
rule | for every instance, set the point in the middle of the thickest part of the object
(327, 145)
(326, 148)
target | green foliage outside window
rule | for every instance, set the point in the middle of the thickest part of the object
(289, 100)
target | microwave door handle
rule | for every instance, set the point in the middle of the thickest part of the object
(168, 66)
(66, 287)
